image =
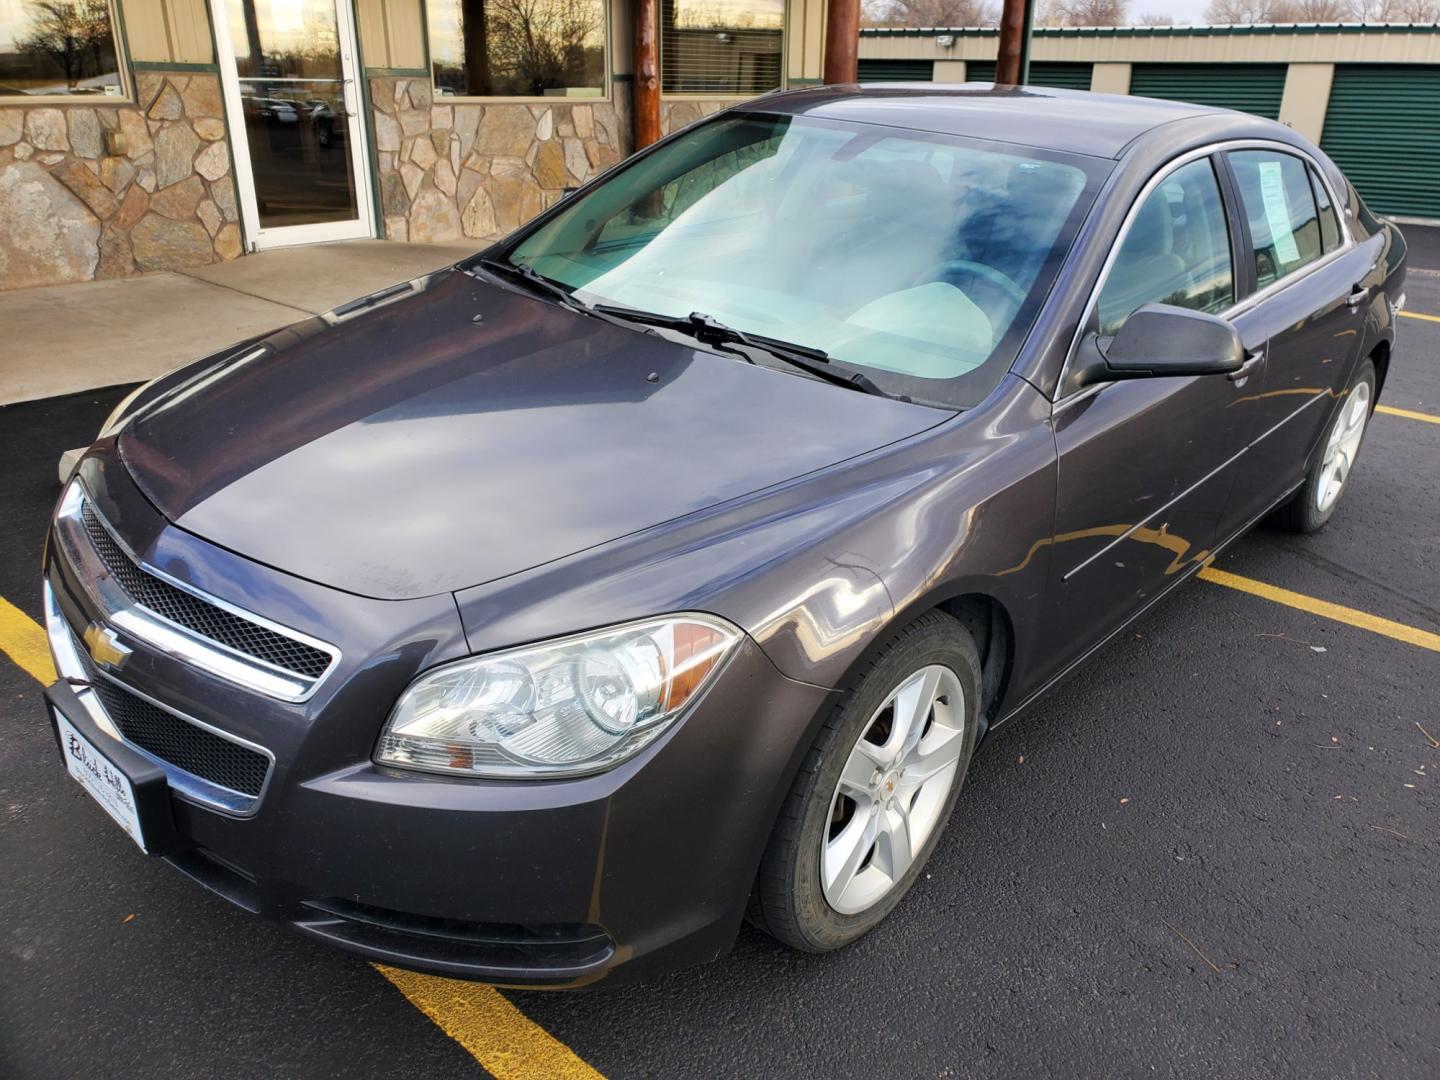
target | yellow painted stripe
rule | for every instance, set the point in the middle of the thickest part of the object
(1417, 315)
(24, 642)
(497, 1034)
(1324, 608)
(1408, 414)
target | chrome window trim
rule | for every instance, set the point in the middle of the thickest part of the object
(192, 788)
(1234, 310)
(181, 642)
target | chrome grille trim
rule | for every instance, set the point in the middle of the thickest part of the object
(71, 665)
(87, 536)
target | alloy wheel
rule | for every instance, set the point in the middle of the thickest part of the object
(892, 790)
(1342, 446)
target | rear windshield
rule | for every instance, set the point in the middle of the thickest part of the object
(921, 259)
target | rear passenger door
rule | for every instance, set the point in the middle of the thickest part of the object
(1146, 466)
(1307, 305)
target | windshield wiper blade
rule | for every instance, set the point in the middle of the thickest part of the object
(711, 331)
(538, 282)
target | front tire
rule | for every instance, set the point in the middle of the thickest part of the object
(873, 795)
(1314, 504)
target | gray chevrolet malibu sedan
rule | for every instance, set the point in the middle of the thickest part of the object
(663, 565)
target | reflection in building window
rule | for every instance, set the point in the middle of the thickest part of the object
(721, 46)
(58, 48)
(517, 48)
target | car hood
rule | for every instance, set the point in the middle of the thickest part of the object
(452, 431)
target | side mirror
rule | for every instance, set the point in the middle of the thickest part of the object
(1160, 341)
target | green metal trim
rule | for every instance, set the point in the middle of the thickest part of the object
(621, 78)
(1259, 29)
(392, 73)
(377, 212)
(804, 82)
(173, 65)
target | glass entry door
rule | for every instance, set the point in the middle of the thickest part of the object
(289, 71)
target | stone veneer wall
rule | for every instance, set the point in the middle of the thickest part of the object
(71, 211)
(675, 115)
(450, 170)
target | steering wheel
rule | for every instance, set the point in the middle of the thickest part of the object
(952, 268)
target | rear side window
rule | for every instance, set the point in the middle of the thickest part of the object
(1177, 251)
(1280, 207)
(1329, 221)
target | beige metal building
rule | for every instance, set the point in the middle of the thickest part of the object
(154, 134)
(1368, 94)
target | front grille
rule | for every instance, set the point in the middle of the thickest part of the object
(181, 743)
(206, 619)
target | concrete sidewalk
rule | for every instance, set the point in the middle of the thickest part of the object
(67, 338)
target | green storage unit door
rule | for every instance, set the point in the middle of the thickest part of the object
(896, 71)
(1042, 73)
(1063, 76)
(1252, 88)
(1383, 130)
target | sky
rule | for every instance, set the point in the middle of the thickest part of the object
(1182, 11)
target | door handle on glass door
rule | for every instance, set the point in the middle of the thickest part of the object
(1241, 374)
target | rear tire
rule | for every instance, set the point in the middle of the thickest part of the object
(1310, 508)
(874, 794)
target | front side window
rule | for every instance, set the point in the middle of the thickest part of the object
(1280, 207)
(713, 48)
(58, 48)
(517, 48)
(1177, 251)
(921, 259)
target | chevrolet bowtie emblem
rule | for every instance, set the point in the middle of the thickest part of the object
(105, 648)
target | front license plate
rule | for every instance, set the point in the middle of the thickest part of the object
(101, 777)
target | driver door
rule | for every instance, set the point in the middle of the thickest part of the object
(1146, 465)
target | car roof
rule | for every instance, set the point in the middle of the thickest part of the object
(1073, 121)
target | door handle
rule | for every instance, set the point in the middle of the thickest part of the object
(1245, 370)
(1358, 296)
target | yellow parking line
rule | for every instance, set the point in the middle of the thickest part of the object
(497, 1035)
(1408, 414)
(1324, 608)
(24, 642)
(1417, 315)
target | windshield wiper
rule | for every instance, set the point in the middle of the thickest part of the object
(711, 331)
(537, 281)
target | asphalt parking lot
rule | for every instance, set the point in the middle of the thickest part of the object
(1214, 852)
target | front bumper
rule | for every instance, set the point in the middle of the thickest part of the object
(556, 883)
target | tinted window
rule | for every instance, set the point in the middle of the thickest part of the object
(1176, 252)
(922, 258)
(1329, 222)
(58, 48)
(504, 48)
(1280, 206)
(721, 48)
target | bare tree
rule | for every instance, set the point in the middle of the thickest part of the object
(1155, 18)
(1415, 11)
(1086, 13)
(74, 35)
(947, 13)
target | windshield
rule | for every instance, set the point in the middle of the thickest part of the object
(919, 259)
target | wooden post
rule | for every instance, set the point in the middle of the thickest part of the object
(842, 41)
(1012, 63)
(646, 88)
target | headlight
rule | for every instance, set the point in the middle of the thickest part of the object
(565, 708)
